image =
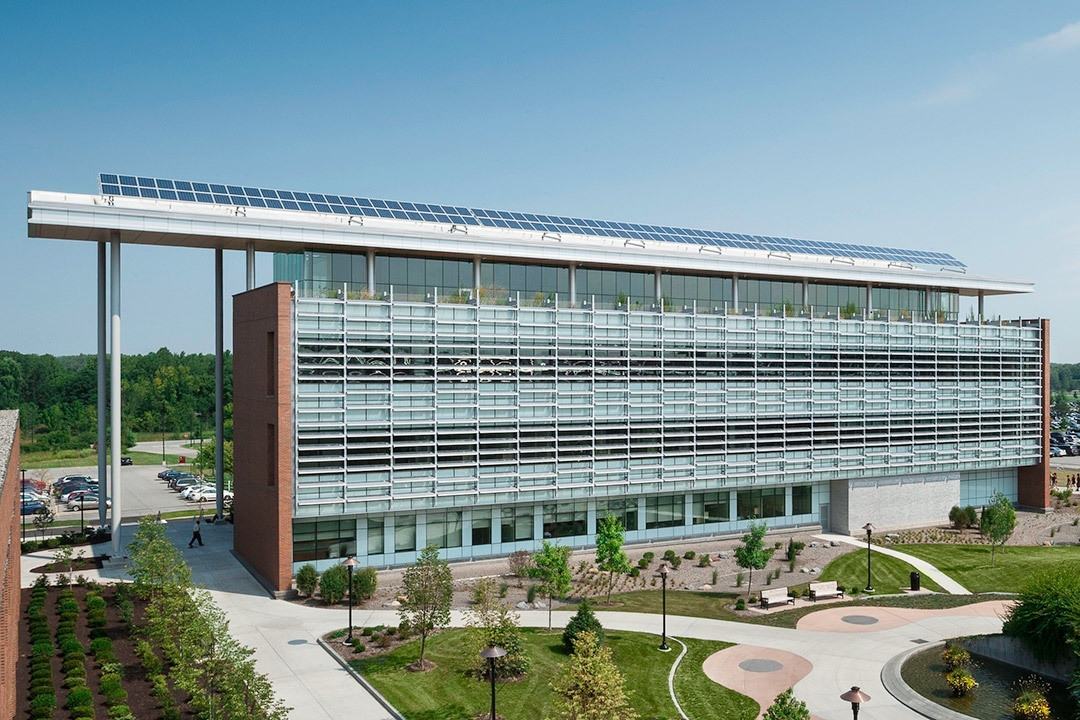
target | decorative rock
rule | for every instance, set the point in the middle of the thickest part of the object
(392, 604)
(402, 599)
(706, 587)
(722, 555)
(803, 570)
(813, 544)
(833, 543)
(523, 605)
(815, 571)
(690, 587)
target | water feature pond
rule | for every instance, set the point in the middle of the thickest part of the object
(925, 672)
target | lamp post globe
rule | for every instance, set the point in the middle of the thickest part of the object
(663, 570)
(492, 653)
(856, 697)
(869, 528)
(350, 563)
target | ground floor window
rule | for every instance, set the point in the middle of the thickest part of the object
(323, 539)
(626, 510)
(444, 529)
(566, 519)
(517, 523)
(801, 500)
(404, 533)
(763, 503)
(375, 527)
(712, 507)
(664, 511)
(481, 527)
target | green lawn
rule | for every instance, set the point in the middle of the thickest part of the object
(790, 618)
(889, 574)
(679, 602)
(83, 458)
(447, 693)
(969, 565)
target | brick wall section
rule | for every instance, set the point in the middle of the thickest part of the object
(262, 432)
(10, 596)
(1033, 481)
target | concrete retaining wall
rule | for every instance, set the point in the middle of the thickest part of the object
(1013, 652)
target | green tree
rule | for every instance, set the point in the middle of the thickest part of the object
(364, 583)
(492, 622)
(590, 686)
(584, 620)
(787, 707)
(998, 522)
(11, 383)
(334, 584)
(610, 557)
(553, 567)
(307, 579)
(43, 518)
(205, 458)
(752, 554)
(429, 590)
(154, 563)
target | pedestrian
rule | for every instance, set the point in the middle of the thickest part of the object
(196, 534)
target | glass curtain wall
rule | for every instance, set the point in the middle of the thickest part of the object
(535, 284)
(616, 287)
(709, 294)
(414, 279)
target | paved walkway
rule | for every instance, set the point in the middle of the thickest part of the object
(757, 672)
(284, 637)
(947, 583)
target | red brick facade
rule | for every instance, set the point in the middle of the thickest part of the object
(262, 432)
(10, 595)
(1033, 481)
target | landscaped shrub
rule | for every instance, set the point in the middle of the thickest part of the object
(704, 560)
(960, 682)
(1031, 703)
(74, 680)
(383, 640)
(1046, 616)
(643, 563)
(794, 548)
(102, 649)
(958, 517)
(584, 620)
(649, 556)
(955, 657)
(740, 604)
(83, 713)
(740, 578)
(307, 579)
(689, 555)
(715, 576)
(669, 555)
(42, 705)
(530, 594)
(520, 563)
(358, 646)
(634, 572)
(80, 697)
(333, 584)
(676, 562)
(114, 692)
(120, 712)
(149, 659)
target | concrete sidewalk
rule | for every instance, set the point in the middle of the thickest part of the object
(947, 583)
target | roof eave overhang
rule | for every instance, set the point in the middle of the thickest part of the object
(93, 218)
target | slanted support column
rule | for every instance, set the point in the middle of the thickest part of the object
(658, 287)
(219, 385)
(371, 272)
(981, 306)
(250, 253)
(114, 397)
(102, 354)
(573, 284)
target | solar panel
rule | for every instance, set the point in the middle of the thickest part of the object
(208, 193)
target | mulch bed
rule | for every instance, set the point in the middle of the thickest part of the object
(142, 703)
(94, 563)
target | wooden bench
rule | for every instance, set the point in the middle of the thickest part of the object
(775, 597)
(825, 590)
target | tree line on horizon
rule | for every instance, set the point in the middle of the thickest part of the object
(57, 396)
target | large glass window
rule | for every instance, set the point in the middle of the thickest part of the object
(481, 527)
(763, 503)
(826, 298)
(801, 499)
(404, 533)
(535, 284)
(414, 278)
(664, 511)
(375, 529)
(770, 294)
(444, 529)
(686, 290)
(612, 287)
(712, 507)
(323, 539)
(565, 519)
(517, 523)
(327, 273)
(625, 509)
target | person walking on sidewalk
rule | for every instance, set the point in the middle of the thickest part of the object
(196, 534)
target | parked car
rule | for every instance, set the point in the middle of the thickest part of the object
(209, 494)
(190, 490)
(77, 492)
(180, 477)
(73, 478)
(1056, 451)
(31, 508)
(180, 483)
(169, 474)
(125, 460)
(86, 502)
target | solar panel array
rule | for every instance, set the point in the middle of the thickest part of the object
(237, 195)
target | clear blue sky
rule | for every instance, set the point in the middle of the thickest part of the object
(949, 126)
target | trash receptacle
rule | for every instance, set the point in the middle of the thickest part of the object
(916, 580)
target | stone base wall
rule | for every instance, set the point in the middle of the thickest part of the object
(892, 503)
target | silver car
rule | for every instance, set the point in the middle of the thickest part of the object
(87, 502)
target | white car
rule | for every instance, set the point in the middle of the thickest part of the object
(190, 490)
(1056, 452)
(208, 495)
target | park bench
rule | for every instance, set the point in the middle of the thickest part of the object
(825, 590)
(775, 597)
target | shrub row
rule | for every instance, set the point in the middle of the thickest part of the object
(155, 670)
(333, 584)
(42, 693)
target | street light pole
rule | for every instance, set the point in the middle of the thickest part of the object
(350, 563)
(869, 530)
(663, 594)
(490, 654)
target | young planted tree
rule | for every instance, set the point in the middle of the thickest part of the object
(752, 554)
(553, 567)
(998, 522)
(492, 622)
(429, 589)
(610, 557)
(43, 518)
(590, 686)
(787, 707)
(153, 562)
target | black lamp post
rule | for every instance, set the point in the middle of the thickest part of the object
(663, 594)
(350, 563)
(491, 654)
(869, 530)
(856, 697)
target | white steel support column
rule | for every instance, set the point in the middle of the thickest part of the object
(476, 277)
(869, 299)
(250, 254)
(573, 284)
(371, 272)
(219, 385)
(658, 287)
(114, 397)
(981, 316)
(102, 354)
(805, 292)
(735, 293)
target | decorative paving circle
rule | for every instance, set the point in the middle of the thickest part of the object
(859, 619)
(760, 665)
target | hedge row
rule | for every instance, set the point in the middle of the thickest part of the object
(42, 693)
